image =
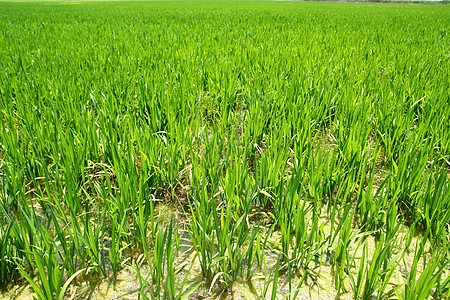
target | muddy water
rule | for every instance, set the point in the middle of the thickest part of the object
(126, 285)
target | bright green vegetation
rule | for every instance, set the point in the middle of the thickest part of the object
(276, 131)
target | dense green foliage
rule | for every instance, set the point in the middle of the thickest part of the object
(253, 118)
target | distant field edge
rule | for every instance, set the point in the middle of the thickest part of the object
(372, 1)
(334, 1)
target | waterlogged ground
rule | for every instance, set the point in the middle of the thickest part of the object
(319, 285)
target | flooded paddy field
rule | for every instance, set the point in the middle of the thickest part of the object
(224, 150)
(319, 284)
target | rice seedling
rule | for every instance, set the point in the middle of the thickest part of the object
(50, 274)
(340, 254)
(161, 282)
(420, 288)
(6, 251)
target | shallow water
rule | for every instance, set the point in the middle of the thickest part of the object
(126, 285)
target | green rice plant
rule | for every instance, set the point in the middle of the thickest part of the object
(317, 162)
(212, 158)
(118, 207)
(298, 222)
(354, 126)
(175, 157)
(341, 202)
(145, 223)
(258, 119)
(126, 177)
(393, 255)
(333, 172)
(13, 186)
(420, 288)
(235, 243)
(273, 295)
(11, 198)
(442, 287)
(358, 284)
(89, 241)
(28, 233)
(340, 254)
(230, 239)
(112, 234)
(433, 207)
(307, 241)
(159, 255)
(65, 246)
(272, 278)
(170, 289)
(40, 253)
(50, 274)
(253, 252)
(164, 283)
(84, 235)
(73, 160)
(376, 273)
(231, 236)
(117, 239)
(371, 272)
(410, 178)
(201, 232)
(372, 199)
(392, 127)
(6, 250)
(305, 245)
(176, 289)
(367, 206)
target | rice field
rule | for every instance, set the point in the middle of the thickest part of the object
(224, 150)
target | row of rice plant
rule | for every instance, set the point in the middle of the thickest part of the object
(266, 149)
